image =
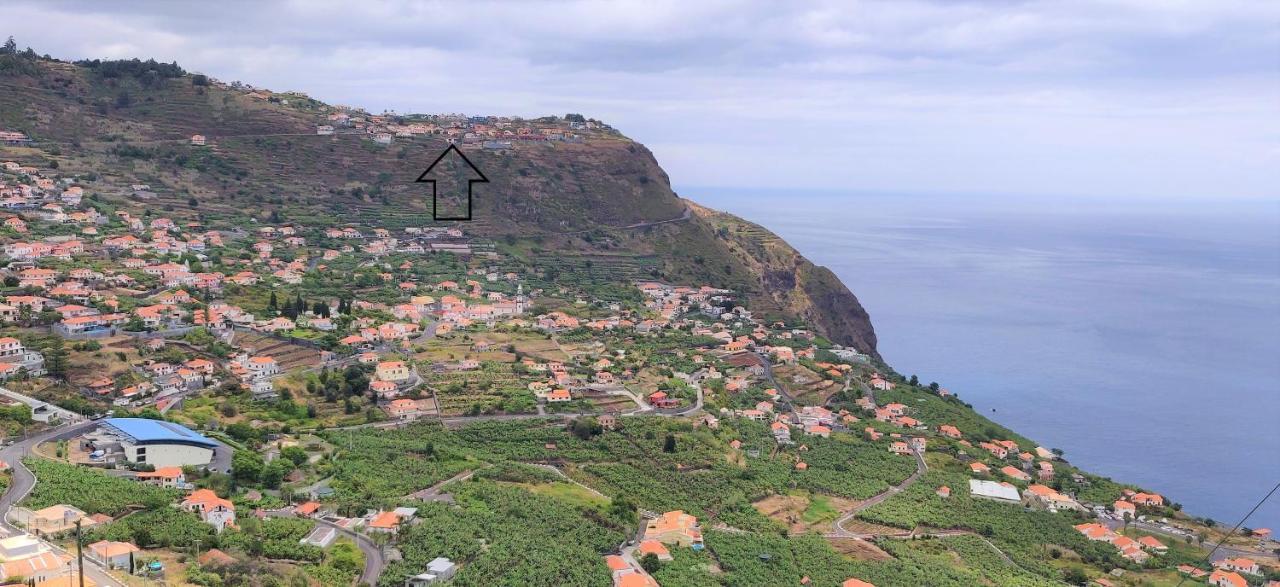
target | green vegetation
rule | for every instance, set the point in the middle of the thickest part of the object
(1023, 535)
(91, 490)
(274, 538)
(165, 527)
(509, 536)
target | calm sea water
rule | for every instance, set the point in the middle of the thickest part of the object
(1142, 338)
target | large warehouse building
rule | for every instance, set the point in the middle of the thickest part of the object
(153, 442)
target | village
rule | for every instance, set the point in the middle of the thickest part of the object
(166, 354)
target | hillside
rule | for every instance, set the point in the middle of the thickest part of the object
(601, 202)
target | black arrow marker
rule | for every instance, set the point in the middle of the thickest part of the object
(435, 214)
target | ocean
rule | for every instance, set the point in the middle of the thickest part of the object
(1141, 337)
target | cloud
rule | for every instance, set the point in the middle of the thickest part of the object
(1145, 97)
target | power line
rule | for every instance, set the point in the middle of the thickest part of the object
(1208, 558)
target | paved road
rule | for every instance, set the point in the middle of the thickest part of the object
(63, 414)
(840, 532)
(23, 481)
(374, 562)
(1219, 551)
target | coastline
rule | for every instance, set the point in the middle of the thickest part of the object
(1092, 380)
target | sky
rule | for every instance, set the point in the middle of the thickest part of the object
(1134, 99)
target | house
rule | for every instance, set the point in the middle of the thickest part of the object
(949, 431)
(384, 522)
(1013, 473)
(1192, 571)
(1123, 508)
(1095, 531)
(1003, 492)
(558, 396)
(394, 371)
(1147, 499)
(1221, 578)
(979, 469)
(439, 569)
(899, 448)
(818, 430)
(52, 520)
(215, 558)
(781, 432)
(1150, 543)
(660, 400)
(655, 548)
(320, 536)
(306, 510)
(198, 140)
(1046, 497)
(385, 389)
(1240, 565)
(27, 557)
(403, 409)
(855, 583)
(1130, 549)
(675, 527)
(113, 555)
(215, 511)
(262, 366)
(164, 477)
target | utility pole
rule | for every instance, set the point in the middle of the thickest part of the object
(80, 553)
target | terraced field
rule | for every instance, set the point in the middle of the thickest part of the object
(288, 355)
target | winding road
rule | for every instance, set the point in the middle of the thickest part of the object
(23, 481)
(840, 532)
(374, 561)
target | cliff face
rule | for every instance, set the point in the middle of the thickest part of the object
(603, 203)
(791, 283)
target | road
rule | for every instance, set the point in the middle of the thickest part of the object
(64, 415)
(23, 481)
(840, 532)
(374, 561)
(1219, 551)
(688, 213)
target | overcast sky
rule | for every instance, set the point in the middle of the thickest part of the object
(1139, 98)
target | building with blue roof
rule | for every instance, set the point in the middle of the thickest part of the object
(154, 442)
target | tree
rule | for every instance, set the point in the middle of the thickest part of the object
(669, 445)
(650, 563)
(55, 359)
(1075, 576)
(296, 454)
(10, 47)
(246, 465)
(272, 303)
(273, 473)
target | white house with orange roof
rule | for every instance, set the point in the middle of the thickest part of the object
(1224, 578)
(112, 555)
(215, 511)
(1244, 565)
(164, 477)
(393, 371)
(261, 366)
(675, 527)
